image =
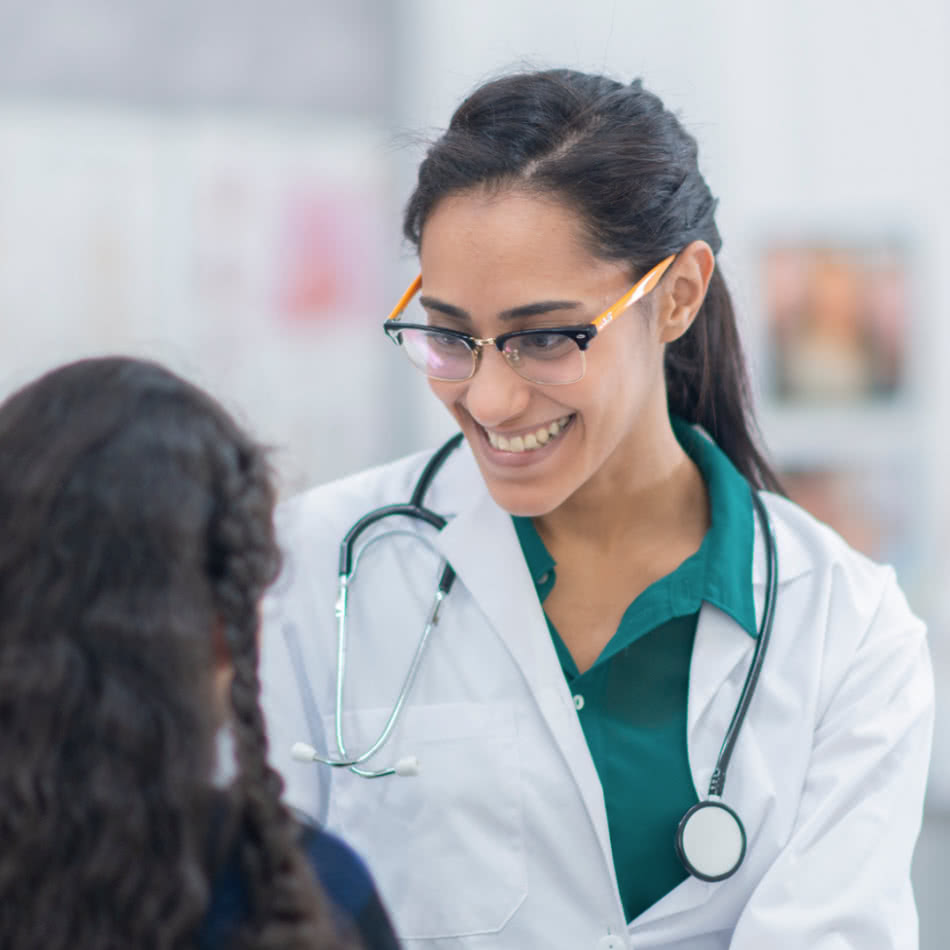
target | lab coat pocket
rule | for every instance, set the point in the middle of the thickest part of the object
(446, 846)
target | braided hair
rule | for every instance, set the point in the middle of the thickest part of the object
(137, 524)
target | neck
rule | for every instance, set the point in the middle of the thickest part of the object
(649, 489)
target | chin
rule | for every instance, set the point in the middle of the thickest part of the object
(523, 501)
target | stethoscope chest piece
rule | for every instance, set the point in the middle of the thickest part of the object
(710, 840)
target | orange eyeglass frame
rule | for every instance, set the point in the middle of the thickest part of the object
(639, 290)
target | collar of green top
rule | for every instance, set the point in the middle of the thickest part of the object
(720, 572)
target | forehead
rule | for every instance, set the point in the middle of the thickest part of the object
(511, 244)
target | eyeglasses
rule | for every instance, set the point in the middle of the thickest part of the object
(551, 356)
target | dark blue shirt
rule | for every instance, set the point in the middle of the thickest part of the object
(344, 878)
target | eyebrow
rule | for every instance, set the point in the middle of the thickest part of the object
(527, 310)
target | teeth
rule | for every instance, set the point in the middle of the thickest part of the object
(555, 427)
(531, 441)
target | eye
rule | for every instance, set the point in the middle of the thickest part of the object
(445, 342)
(543, 345)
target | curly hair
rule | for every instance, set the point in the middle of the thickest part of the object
(137, 526)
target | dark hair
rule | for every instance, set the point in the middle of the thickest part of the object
(626, 164)
(137, 521)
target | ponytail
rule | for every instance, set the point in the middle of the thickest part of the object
(707, 384)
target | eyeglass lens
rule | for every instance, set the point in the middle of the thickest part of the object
(540, 357)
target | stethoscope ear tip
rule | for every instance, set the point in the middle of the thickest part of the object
(407, 766)
(301, 752)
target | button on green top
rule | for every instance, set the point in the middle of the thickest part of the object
(632, 702)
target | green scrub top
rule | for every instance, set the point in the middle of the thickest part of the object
(632, 702)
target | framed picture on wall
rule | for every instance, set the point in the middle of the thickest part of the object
(864, 504)
(837, 314)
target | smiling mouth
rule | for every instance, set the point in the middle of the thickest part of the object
(532, 441)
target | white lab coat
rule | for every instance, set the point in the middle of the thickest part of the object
(502, 841)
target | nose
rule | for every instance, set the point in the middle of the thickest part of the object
(496, 393)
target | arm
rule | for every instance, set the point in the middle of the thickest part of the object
(843, 879)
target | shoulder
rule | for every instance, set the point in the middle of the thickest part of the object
(810, 549)
(338, 867)
(349, 885)
(311, 525)
(349, 498)
(823, 563)
(381, 484)
(847, 611)
(811, 544)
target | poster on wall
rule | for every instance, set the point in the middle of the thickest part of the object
(244, 253)
(837, 314)
(282, 265)
(286, 226)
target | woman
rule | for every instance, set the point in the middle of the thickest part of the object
(620, 544)
(137, 539)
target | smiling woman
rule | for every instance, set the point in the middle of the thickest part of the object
(623, 555)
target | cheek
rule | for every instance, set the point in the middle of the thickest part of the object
(619, 367)
(447, 393)
(621, 377)
(439, 390)
(643, 351)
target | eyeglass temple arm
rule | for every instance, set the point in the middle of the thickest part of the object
(640, 289)
(411, 291)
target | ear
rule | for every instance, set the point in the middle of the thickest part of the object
(684, 289)
(220, 651)
(222, 674)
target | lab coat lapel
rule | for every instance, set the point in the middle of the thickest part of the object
(482, 546)
(721, 654)
(722, 645)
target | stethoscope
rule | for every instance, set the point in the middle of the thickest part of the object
(710, 838)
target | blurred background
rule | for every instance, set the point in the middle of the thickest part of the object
(218, 184)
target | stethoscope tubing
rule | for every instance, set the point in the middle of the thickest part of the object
(414, 510)
(718, 781)
(710, 839)
(432, 620)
